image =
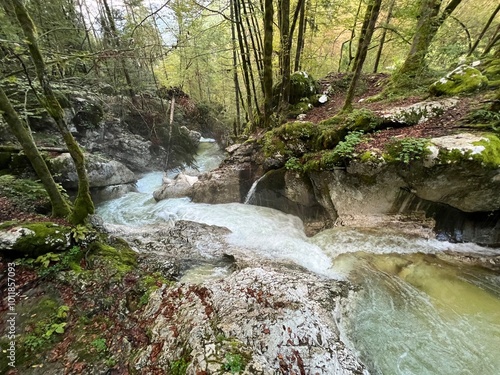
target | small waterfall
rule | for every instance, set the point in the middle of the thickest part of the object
(251, 192)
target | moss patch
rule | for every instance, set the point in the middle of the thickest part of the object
(117, 256)
(26, 195)
(464, 79)
(34, 239)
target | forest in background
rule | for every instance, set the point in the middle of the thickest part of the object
(216, 51)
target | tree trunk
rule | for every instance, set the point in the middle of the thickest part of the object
(382, 38)
(300, 36)
(235, 71)
(243, 54)
(365, 38)
(21, 131)
(268, 61)
(83, 205)
(428, 24)
(116, 39)
(485, 28)
(494, 40)
(285, 51)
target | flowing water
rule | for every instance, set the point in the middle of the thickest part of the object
(416, 312)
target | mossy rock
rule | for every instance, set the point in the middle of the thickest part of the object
(118, 255)
(464, 79)
(492, 70)
(299, 108)
(302, 86)
(33, 239)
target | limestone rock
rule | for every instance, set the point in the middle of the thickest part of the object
(179, 186)
(101, 171)
(264, 320)
(33, 239)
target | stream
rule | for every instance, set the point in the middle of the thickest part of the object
(418, 309)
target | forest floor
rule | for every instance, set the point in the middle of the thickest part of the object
(450, 122)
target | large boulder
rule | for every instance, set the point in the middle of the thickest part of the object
(101, 171)
(234, 177)
(178, 187)
(461, 80)
(34, 239)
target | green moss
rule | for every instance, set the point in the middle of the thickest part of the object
(366, 157)
(363, 120)
(27, 195)
(490, 156)
(302, 85)
(492, 70)
(120, 257)
(464, 79)
(297, 109)
(35, 239)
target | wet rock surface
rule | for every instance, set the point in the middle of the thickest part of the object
(233, 179)
(258, 320)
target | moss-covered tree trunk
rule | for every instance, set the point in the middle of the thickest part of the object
(83, 205)
(285, 52)
(371, 16)
(268, 61)
(429, 21)
(60, 207)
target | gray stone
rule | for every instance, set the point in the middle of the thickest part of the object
(101, 171)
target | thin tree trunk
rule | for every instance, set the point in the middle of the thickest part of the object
(246, 68)
(494, 39)
(364, 42)
(21, 131)
(170, 127)
(300, 36)
(382, 38)
(485, 28)
(83, 205)
(114, 34)
(268, 61)
(235, 69)
(353, 34)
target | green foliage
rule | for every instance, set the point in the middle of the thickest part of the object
(407, 150)
(179, 366)
(234, 363)
(484, 119)
(27, 195)
(293, 164)
(50, 264)
(99, 345)
(344, 152)
(47, 326)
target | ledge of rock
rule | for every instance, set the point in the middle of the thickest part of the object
(101, 171)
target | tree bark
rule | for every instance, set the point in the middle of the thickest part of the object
(285, 51)
(83, 205)
(268, 61)
(428, 24)
(382, 38)
(300, 36)
(60, 207)
(485, 28)
(365, 38)
(235, 71)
